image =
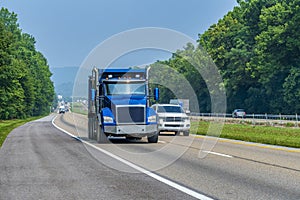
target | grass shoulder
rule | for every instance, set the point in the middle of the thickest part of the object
(282, 136)
(6, 126)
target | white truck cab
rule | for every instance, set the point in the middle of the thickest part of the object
(172, 118)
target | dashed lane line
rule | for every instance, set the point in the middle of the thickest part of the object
(218, 154)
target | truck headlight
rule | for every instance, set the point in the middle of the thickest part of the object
(107, 119)
(152, 118)
(162, 119)
(185, 118)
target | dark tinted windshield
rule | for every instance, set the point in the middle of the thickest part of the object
(169, 109)
(126, 88)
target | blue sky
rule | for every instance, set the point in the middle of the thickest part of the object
(67, 30)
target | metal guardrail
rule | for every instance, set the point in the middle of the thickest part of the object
(255, 118)
(295, 117)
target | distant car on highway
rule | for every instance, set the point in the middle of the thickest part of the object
(172, 118)
(61, 110)
(239, 113)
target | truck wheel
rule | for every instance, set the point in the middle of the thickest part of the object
(186, 133)
(101, 137)
(153, 138)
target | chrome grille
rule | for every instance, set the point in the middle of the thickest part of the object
(174, 119)
(131, 114)
(174, 125)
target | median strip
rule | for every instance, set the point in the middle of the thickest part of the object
(251, 144)
(287, 137)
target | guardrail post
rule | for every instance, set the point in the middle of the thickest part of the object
(296, 120)
(280, 122)
(253, 119)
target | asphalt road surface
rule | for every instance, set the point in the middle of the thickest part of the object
(38, 161)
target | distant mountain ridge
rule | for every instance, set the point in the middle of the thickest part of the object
(63, 79)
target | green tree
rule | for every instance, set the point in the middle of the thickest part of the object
(255, 47)
(179, 77)
(277, 51)
(25, 85)
(292, 90)
(11, 92)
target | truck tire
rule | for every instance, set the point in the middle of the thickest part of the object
(101, 137)
(186, 133)
(153, 138)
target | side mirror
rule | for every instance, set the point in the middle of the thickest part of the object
(156, 94)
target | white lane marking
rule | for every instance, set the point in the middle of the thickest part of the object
(218, 154)
(140, 169)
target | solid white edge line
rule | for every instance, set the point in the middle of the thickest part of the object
(140, 169)
(218, 154)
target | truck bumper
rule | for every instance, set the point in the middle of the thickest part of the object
(132, 130)
(174, 127)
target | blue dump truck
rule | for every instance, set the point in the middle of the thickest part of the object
(119, 105)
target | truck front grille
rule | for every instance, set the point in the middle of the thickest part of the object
(174, 119)
(174, 125)
(131, 115)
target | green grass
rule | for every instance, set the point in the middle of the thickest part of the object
(289, 137)
(6, 126)
(78, 108)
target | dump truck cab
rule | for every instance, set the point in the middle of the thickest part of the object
(120, 98)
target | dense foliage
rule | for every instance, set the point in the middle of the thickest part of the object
(256, 48)
(25, 85)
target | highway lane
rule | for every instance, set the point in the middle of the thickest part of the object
(236, 170)
(38, 161)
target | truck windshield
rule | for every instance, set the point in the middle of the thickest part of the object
(124, 88)
(169, 109)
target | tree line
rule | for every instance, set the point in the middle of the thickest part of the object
(256, 48)
(25, 85)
